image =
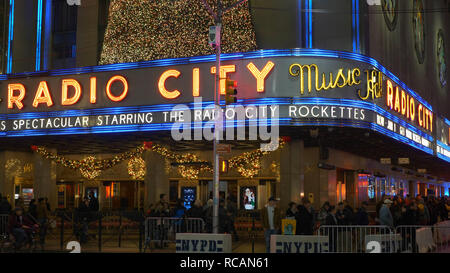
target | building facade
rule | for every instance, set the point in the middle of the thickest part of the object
(358, 94)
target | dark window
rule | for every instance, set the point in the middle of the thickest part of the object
(64, 34)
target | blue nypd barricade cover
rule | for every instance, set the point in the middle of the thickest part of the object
(298, 244)
(203, 243)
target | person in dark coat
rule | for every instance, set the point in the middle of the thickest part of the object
(5, 207)
(292, 210)
(409, 218)
(93, 202)
(340, 215)
(331, 220)
(32, 208)
(20, 226)
(348, 213)
(362, 217)
(224, 218)
(305, 218)
(196, 211)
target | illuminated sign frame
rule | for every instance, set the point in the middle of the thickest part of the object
(266, 70)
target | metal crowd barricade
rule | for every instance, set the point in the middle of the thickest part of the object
(4, 218)
(423, 239)
(360, 239)
(164, 229)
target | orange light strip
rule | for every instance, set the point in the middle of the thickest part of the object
(42, 95)
(17, 100)
(65, 90)
(124, 92)
(260, 75)
(196, 82)
(162, 81)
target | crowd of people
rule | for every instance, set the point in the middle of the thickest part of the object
(27, 223)
(24, 224)
(227, 213)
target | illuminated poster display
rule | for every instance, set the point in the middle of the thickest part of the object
(188, 195)
(443, 139)
(248, 198)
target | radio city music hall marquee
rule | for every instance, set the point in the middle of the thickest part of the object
(161, 87)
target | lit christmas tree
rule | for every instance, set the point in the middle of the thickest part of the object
(141, 30)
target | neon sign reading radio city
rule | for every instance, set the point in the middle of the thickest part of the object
(401, 102)
(16, 91)
(43, 95)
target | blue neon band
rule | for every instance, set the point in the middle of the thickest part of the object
(298, 52)
(10, 37)
(39, 35)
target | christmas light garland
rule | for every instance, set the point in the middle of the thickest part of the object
(136, 168)
(189, 166)
(140, 30)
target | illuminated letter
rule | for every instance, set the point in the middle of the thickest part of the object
(390, 94)
(403, 102)
(407, 106)
(93, 97)
(42, 95)
(431, 120)
(161, 84)
(397, 100)
(355, 73)
(124, 92)
(65, 89)
(420, 115)
(412, 108)
(17, 100)
(196, 82)
(224, 69)
(260, 75)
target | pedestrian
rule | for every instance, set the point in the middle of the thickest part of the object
(20, 203)
(291, 211)
(21, 227)
(93, 202)
(340, 215)
(305, 218)
(232, 213)
(196, 211)
(32, 208)
(162, 210)
(362, 217)
(42, 218)
(396, 210)
(47, 203)
(323, 213)
(162, 207)
(386, 218)
(349, 213)
(378, 207)
(331, 220)
(224, 218)
(271, 220)
(208, 212)
(179, 212)
(5, 207)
